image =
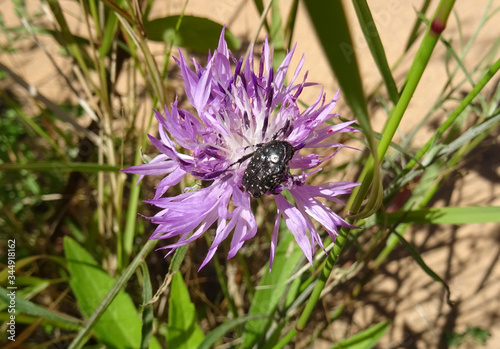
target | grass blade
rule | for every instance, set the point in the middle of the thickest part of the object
(447, 215)
(365, 339)
(376, 48)
(55, 166)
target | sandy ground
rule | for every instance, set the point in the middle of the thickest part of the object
(466, 256)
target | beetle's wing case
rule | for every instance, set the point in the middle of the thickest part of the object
(267, 167)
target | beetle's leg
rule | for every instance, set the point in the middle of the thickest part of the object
(248, 156)
(285, 131)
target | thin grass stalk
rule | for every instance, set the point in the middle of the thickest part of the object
(131, 215)
(54, 108)
(30, 122)
(429, 194)
(171, 44)
(456, 113)
(152, 69)
(70, 44)
(376, 48)
(473, 38)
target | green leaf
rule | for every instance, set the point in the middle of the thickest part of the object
(331, 26)
(416, 256)
(195, 33)
(330, 22)
(147, 312)
(469, 135)
(182, 332)
(177, 259)
(109, 35)
(277, 35)
(30, 308)
(19, 264)
(259, 4)
(370, 32)
(220, 331)
(272, 288)
(446, 215)
(365, 339)
(119, 326)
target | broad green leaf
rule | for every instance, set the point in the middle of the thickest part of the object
(195, 33)
(447, 215)
(119, 326)
(365, 339)
(30, 308)
(272, 288)
(182, 332)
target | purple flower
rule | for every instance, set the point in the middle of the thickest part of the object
(239, 111)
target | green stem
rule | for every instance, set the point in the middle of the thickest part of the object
(129, 230)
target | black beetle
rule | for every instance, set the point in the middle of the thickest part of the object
(267, 168)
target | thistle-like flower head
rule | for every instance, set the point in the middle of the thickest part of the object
(246, 139)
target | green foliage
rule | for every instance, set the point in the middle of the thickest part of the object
(119, 326)
(365, 339)
(194, 33)
(36, 311)
(182, 332)
(476, 335)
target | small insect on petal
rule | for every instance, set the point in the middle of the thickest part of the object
(268, 167)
